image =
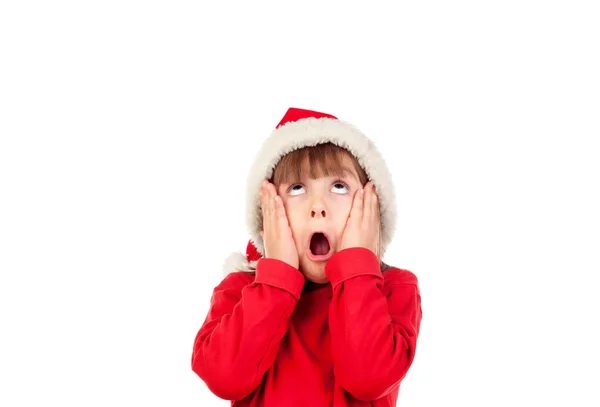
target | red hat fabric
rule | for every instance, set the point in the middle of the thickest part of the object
(294, 114)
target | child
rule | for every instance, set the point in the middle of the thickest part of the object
(312, 316)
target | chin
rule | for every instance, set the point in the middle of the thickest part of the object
(314, 272)
(317, 279)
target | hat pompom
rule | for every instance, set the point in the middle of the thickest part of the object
(239, 262)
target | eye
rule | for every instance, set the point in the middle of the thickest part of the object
(340, 188)
(295, 189)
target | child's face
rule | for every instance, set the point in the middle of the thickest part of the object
(319, 205)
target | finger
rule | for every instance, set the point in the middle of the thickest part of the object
(262, 193)
(267, 204)
(271, 189)
(357, 205)
(375, 203)
(263, 201)
(272, 197)
(377, 222)
(368, 201)
(279, 208)
(263, 190)
(372, 208)
(375, 193)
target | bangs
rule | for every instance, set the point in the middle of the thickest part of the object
(322, 160)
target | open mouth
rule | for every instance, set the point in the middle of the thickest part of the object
(319, 247)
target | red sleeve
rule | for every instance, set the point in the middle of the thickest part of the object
(247, 319)
(373, 328)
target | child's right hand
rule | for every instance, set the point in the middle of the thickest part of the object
(276, 234)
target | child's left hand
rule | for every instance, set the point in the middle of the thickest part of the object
(362, 226)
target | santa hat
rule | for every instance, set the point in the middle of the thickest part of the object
(303, 128)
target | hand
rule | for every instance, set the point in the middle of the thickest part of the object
(277, 235)
(363, 223)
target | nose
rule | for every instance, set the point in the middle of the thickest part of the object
(317, 209)
(318, 214)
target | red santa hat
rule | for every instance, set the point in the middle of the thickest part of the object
(303, 128)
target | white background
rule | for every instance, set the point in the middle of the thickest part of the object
(127, 129)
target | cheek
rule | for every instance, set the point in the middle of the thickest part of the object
(340, 210)
(344, 204)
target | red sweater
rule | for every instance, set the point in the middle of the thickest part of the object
(273, 339)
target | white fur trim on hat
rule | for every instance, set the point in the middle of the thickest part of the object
(238, 262)
(310, 132)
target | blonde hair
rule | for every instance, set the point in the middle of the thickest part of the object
(324, 160)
